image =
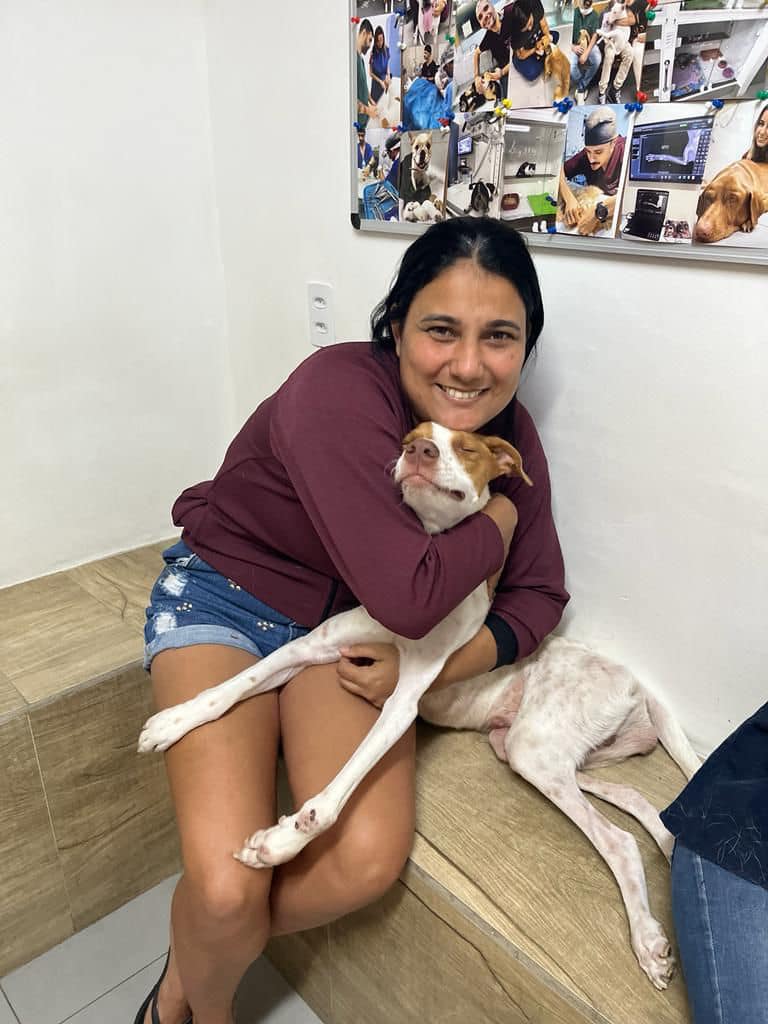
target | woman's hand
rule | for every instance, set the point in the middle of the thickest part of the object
(370, 671)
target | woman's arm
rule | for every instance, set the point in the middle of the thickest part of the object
(337, 430)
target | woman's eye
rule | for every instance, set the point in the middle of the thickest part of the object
(439, 331)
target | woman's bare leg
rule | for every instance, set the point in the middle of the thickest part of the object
(362, 854)
(222, 784)
(222, 779)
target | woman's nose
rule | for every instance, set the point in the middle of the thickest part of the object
(467, 361)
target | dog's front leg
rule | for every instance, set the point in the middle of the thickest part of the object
(283, 841)
(319, 647)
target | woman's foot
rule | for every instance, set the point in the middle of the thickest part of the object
(166, 1003)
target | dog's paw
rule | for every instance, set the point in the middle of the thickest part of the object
(272, 846)
(654, 953)
(162, 730)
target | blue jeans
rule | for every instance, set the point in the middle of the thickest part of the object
(582, 74)
(721, 922)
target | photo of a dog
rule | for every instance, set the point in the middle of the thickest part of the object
(423, 167)
(732, 203)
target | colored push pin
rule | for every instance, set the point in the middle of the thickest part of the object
(718, 104)
(651, 16)
(551, 200)
(653, 3)
(355, 21)
(551, 229)
(499, 111)
(451, 39)
(641, 97)
(507, 103)
(400, 128)
(763, 94)
(356, 124)
(402, 46)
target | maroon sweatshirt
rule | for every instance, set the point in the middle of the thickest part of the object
(305, 515)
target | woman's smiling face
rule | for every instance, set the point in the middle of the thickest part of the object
(462, 347)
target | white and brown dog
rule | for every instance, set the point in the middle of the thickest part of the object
(550, 715)
(415, 183)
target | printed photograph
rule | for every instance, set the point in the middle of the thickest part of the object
(510, 51)
(377, 156)
(425, 21)
(667, 161)
(475, 167)
(593, 171)
(534, 142)
(427, 86)
(378, 72)
(422, 175)
(719, 57)
(732, 206)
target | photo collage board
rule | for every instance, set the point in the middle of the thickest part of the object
(644, 120)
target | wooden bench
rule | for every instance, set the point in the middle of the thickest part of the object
(504, 912)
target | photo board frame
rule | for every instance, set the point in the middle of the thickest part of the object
(634, 127)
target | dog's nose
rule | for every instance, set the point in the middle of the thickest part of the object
(422, 447)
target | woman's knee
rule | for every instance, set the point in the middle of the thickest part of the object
(366, 861)
(229, 900)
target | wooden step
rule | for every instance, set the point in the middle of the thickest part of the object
(503, 913)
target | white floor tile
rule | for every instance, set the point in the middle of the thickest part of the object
(98, 959)
(122, 1003)
(6, 1016)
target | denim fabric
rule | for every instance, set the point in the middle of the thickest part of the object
(720, 920)
(191, 603)
(582, 74)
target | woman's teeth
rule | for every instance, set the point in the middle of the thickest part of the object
(461, 395)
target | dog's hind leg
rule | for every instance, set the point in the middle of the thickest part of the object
(672, 737)
(531, 757)
(628, 799)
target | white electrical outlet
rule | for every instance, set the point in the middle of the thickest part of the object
(320, 304)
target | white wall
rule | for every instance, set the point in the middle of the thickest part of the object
(175, 178)
(114, 374)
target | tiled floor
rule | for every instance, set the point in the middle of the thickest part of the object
(103, 973)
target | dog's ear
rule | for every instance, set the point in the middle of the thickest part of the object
(702, 204)
(508, 459)
(758, 205)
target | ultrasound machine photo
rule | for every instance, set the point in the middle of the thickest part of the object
(667, 152)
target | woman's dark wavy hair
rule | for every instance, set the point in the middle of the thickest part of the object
(493, 245)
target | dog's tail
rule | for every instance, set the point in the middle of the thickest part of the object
(672, 737)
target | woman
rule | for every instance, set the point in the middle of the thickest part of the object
(378, 65)
(720, 878)
(303, 517)
(758, 151)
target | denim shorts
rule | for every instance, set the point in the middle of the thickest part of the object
(191, 603)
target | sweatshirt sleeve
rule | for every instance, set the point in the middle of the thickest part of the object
(531, 594)
(338, 434)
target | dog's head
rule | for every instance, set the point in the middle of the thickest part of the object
(730, 202)
(444, 474)
(421, 149)
(482, 193)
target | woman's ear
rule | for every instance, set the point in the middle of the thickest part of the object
(396, 325)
